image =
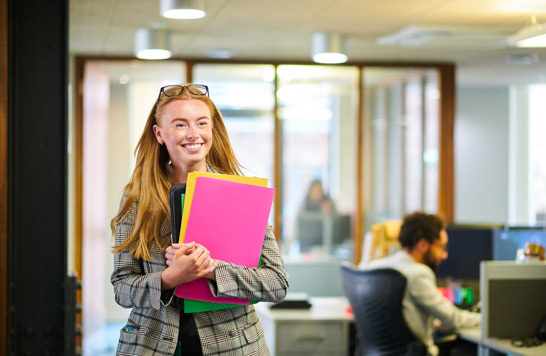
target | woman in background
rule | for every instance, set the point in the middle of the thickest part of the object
(314, 221)
(316, 201)
(184, 133)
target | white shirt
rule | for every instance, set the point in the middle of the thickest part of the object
(422, 302)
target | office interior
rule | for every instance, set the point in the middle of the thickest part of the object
(275, 98)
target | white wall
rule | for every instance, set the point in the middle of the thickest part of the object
(481, 154)
(119, 172)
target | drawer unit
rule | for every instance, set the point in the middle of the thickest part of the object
(314, 338)
(323, 330)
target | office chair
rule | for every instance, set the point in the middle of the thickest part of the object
(376, 298)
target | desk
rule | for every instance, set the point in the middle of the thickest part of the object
(322, 330)
(500, 345)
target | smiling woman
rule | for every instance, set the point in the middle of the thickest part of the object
(184, 133)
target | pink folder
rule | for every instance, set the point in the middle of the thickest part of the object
(230, 220)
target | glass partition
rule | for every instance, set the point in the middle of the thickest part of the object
(117, 99)
(400, 142)
(317, 113)
(245, 95)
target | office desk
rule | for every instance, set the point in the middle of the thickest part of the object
(500, 345)
(322, 330)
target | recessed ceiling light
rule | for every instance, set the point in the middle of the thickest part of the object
(152, 44)
(182, 9)
(328, 48)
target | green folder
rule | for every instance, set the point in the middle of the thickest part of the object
(196, 306)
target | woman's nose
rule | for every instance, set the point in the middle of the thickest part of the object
(191, 132)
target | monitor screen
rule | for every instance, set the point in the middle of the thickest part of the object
(507, 242)
(468, 245)
(314, 230)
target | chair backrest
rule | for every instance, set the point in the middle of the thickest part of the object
(384, 238)
(376, 298)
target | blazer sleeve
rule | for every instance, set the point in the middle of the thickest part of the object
(423, 290)
(267, 283)
(137, 283)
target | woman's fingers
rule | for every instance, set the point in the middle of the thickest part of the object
(179, 248)
(211, 265)
(189, 261)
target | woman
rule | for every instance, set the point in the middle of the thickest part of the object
(316, 201)
(184, 133)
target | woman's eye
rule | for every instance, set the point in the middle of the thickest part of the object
(203, 123)
(181, 125)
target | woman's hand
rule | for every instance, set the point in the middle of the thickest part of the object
(171, 250)
(210, 274)
(186, 262)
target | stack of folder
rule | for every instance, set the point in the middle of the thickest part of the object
(228, 215)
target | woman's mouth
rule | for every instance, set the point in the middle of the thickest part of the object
(192, 146)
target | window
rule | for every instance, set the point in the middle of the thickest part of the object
(118, 97)
(401, 141)
(245, 95)
(317, 114)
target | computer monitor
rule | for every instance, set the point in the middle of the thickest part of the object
(316, 230)
(342, 228)
(310, 231)
(513, 298)
(507, 241)
(468, 245)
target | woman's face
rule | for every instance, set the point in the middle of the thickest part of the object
(185, 127)
(315, 193)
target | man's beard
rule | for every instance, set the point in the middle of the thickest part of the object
(428, 259)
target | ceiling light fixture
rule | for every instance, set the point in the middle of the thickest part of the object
(328, 48)
(445, 37)
(182, 9)
(532, 34)
(152, 44)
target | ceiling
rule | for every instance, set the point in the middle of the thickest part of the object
(472, 32)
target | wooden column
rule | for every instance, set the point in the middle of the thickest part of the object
(446, 196)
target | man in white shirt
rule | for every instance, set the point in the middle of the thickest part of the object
(424, 246)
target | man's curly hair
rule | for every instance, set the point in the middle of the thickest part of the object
(420, 225)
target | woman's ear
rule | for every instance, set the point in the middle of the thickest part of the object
(157, 133)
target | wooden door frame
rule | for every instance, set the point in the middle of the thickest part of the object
(3, 175)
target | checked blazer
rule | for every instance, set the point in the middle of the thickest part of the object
(154, 320)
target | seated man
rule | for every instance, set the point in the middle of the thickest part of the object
(424, 239)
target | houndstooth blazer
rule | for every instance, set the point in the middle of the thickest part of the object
(235, 331)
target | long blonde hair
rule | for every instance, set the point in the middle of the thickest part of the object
(152, 177)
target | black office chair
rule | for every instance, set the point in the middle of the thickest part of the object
(376, 298)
